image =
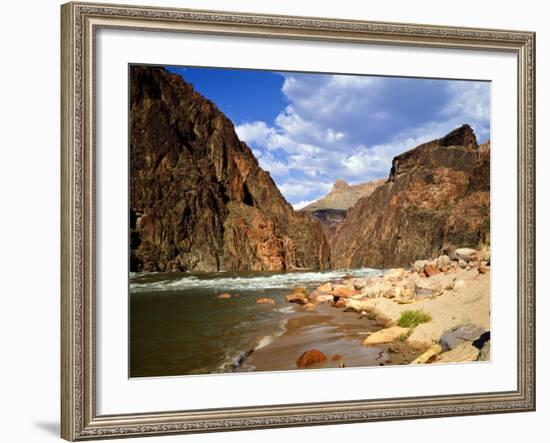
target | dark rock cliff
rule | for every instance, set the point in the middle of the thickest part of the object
(435, 200)
(198, 199)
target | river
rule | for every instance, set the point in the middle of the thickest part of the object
(178, 325)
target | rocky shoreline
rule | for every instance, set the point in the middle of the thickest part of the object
(436, 311)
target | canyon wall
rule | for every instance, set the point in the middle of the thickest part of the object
(437, 198)
(199, 201)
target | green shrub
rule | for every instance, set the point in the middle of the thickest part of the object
(411, 319)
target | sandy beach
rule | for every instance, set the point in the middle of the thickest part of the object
(336, 333)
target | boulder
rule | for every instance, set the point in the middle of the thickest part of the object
(394, 274)
(462, 353)
(344, 292)
(484, 255)
(465, 254)
(225, 295)
(393, 292)
(296, 297)
(483, 269)
(406, 293)
(426, 288)
(340, 303)
(430, 270)
(311, 357)
(265, 301)
(300, 290)
(386, 335)
(360, 283)
(483, 338)
(324, 298)
(442, 261)
(377, 290)
(462, 263)
(485, 352)
(418, 265)
(460, 334)
(309, 306)
(327, 287)
(428, 356)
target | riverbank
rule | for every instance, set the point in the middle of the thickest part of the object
(437, 311)
(337, 334)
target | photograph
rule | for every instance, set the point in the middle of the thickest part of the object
(276, 217)
(287, 221)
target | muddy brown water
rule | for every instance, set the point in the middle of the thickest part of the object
(178, 326)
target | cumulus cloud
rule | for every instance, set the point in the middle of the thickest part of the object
(302, 204)
(350, 127)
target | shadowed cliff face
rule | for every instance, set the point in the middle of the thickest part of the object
(198, 199)
(435, 200)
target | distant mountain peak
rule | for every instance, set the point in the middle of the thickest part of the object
(340, 185)
(343, 195)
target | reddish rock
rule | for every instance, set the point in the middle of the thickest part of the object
(340, 303)
(225, 295)
(430, 270)
(337, 357)
(436, 199)
(345, 292)
(296, 297)
(300, 290)
(327, 287)
(321, 297)
(311, 357)
(199, 200)
(265, 300)
(483, 269)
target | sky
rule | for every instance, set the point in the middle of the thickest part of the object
(310, 129)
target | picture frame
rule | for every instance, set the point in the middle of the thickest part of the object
(80, 23)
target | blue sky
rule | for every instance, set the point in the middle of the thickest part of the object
(309, 130)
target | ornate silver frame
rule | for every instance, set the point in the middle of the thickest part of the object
(80, 21)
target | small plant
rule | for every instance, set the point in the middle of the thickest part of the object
(411, 319)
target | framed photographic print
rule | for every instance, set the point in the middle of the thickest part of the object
(263, 214)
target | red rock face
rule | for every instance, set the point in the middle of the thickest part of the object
(435, 200)
(198, 199)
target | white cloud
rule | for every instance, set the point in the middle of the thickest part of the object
(302, 204)
(298, 190)
(471, 102)
(351, 127)
(272, 165)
